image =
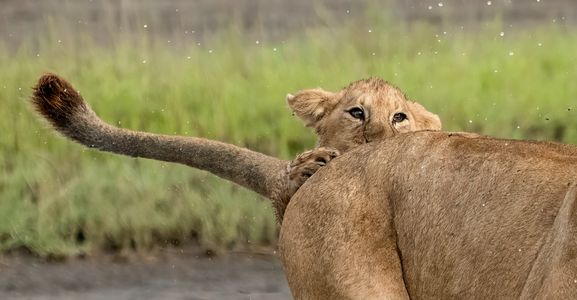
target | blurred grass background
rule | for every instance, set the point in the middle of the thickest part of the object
(59, 199)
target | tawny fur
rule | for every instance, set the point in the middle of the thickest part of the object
(436, 215)
(66, 110)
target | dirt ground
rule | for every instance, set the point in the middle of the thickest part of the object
(179, 275)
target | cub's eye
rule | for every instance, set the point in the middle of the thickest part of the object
(357, 113)
(399, 117)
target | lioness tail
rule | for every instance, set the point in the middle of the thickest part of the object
(58, 102)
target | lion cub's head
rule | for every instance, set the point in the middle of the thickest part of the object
(365, 111)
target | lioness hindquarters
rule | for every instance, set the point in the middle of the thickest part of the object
(470, 217)
(335, 241)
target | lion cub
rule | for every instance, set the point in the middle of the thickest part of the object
(365, 111)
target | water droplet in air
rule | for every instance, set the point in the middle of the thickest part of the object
(502, 33)
(370, 30)
(440, 4)
(489, 2)
(511, 53)
(145, 26)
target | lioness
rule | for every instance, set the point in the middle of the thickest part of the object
(436, 215)
(366, 110)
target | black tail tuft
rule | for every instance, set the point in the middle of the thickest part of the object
(57, 100)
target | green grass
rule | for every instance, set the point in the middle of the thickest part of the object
(56, 198)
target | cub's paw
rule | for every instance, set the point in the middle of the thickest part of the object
(307, 163)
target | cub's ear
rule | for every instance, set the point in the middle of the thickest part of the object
(311, 105)
(424, 119)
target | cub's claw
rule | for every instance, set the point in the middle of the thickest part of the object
(307, 163)
(297, 172)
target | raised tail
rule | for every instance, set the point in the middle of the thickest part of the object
(58, 102)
